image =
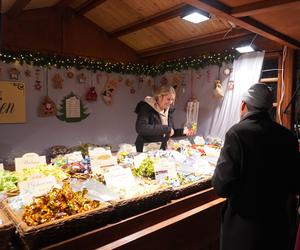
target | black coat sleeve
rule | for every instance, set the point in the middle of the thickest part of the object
(226, 176)
(145, 128)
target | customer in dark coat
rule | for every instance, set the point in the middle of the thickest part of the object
(257, 171)
(155, 118)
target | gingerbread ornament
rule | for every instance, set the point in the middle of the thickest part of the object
(57, 81)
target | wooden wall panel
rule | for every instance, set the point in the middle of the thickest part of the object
(46, 31)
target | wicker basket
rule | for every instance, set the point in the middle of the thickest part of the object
(6, 230)
(139, 204)
(191, 188)
(34, 237)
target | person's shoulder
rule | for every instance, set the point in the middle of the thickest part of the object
(142, 106)
(284, 131)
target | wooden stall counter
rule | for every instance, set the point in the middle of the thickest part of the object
(192, 222)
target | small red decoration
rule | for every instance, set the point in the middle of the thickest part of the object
(91, 95)
(47, 107)
(230, 85)
(37, 86)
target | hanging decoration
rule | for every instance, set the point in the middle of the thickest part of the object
(47, 106)
(129, 83)
(176, 82)
(163, 80)
(37, 85)
(192, 110)
(57, 81)
(27, 73)
(198, 75)
(81, 78)
(218, 91)
(72, 109)
(91, 94)
(150, 82)
(70, 74)
(14, 73)
(108, 91)
(43, 60)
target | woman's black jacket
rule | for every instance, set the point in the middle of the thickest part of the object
(149, 127)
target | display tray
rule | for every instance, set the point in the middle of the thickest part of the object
(191, 188)
(129, 207)
(6, 230)
(35, 237)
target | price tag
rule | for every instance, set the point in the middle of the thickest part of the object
(119, 177)
(29, 160)
(37, 186)
(165, 168)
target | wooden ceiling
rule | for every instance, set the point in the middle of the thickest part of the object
(155, 26)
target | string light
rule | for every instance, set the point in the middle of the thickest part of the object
(180, 64)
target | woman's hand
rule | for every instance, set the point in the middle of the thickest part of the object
(188, 132)
(172, 132)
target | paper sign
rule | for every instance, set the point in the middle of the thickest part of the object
(165, 168)
(119, 177)
(72, 107)
(137, 160)
(1, 166)
(102, 157)
(74, 157)
(29, 160)
(12, 102)
(37, 186)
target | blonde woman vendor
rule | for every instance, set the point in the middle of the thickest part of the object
(155, 118)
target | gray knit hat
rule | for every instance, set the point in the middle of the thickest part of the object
(259, 96)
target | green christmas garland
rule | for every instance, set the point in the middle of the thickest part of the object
(43, 60)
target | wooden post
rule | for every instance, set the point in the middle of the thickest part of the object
(286, 113)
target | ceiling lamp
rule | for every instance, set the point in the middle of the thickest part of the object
(196, 17)
(247, 48)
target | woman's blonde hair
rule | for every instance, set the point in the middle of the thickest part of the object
(162, 90)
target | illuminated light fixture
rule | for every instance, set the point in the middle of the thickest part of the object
(247, 48)
(196, 17)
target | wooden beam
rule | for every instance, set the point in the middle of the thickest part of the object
(200, 40)
(263, 7)
(17, 8)
(287, 112)
(176, 11)
(221, 10)
(63, 4)
(87, 6)
(279, 82)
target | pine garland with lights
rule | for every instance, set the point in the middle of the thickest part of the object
(43, 60)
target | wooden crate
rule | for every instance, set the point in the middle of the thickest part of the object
(6, 230)
(191, 188)
(130, 207)
(34, 237)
